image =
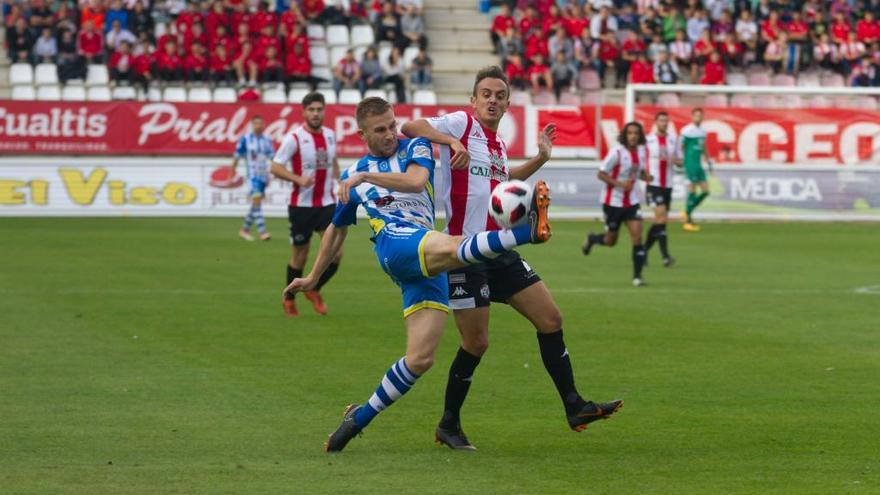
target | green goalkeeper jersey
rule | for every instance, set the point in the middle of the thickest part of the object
(693, 146)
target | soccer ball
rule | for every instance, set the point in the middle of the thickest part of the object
(510, 203)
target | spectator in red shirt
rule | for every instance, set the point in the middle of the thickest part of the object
(536, 44)
(187, 18)
(244, 63)
(220, 66)
(714, 70)
(195, 65)
(195, 34)
(771, 27)
(313, 10)
(93, 12)
(121, 64)
(868, 29)
(216, 17)
(529, 22)
(798, 34)
(296, 38)
(840, 29)
(552, 21)
(266, 39)
(293, 17)
(703, 48)
(142, 66)
(220, 37)
(776, 53)
(271, 69)
(346, 73)
(608, 54)
(641, 70)
(630, 50)
(574, 21)
(262, 18)
(90, 44)
(500, 24)
(298, 67)
(732, 51)
(539, 74)
(239, 16)
(168, 63)
(357, 12)
(516, 73)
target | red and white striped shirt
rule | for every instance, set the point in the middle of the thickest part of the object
(661, 150)
(466, 192)
(310, 154)
(621, 164)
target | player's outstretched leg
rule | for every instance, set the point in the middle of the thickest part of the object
(245, 231)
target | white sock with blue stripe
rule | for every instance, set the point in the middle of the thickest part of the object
(248, 220)
(396, 382)
(258, 217)
(487, 245)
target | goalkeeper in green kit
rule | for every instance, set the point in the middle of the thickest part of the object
(692, 149)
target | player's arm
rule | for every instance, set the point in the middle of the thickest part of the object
(421, 128)
(331, 243)
(413, 180)
(709, 162)
(336, 168)
(279, 171)
(545, 149)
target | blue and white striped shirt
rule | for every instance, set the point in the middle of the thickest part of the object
(384, 206)
(257, 151)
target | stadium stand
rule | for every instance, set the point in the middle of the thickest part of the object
(198, 47)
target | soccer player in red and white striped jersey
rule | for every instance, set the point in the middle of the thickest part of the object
(473, 161)
(663, 156)
(314, 169)
(624, 163)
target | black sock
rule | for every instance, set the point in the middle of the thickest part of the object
(653, 234)
(327, 275)
(664, 242)
(292, 273)
(597, 239)
(638, 256)
(460, 373)
(556, 360)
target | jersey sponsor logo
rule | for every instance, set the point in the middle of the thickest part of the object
(459, 292)
(489, 173)
(457, 278)
(384, 201)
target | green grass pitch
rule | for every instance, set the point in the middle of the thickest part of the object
(152, 356)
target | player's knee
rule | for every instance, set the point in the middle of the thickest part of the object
(476, 345)
(610, 240)
(550, 321)
(420, 362)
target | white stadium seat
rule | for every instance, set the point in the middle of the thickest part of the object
(154, 94)
(24, 93)
(329, 96)
(297, 94)
(73, 93)
(98, 93)
(337, 35)
(385, 52)
(668, 100)
(337, 53)
(719, 101)
(424, 97)
(46, 74)
(349, 97)
(21, 74)
(274, 96)
(318, 56)
(124, 93)
(542, 98)
(409, 55)
(569, 99)
(520, 98)
(737, 79)
(741, 100)
(322, 73)
(49, 93)
(362, 35)
(376, 93)
(175, 94)
(225, 95)
(315, 32)
(199, 95)
(97, 75)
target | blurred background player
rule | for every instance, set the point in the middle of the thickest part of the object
(623, 164)
(692, 144)
(473, 161)
(256, 148)
(314, 168)
(394, 184)
(662, 157)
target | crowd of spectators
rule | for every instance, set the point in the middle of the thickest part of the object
(241, 42)
(545, 45)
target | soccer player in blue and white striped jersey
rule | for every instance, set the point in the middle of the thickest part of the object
(256, 149)
(394, 184)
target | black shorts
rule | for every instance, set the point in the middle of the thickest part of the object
(475, 286)
(304, 220)
(659, 196)
(616, 216)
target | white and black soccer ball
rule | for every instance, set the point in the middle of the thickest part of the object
(510, 203)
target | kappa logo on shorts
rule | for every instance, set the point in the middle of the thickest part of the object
(529, 272)
(298, 237)
(484, 291)
(457, 278)
(459, 292)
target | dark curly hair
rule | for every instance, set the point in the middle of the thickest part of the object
(621, 138)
